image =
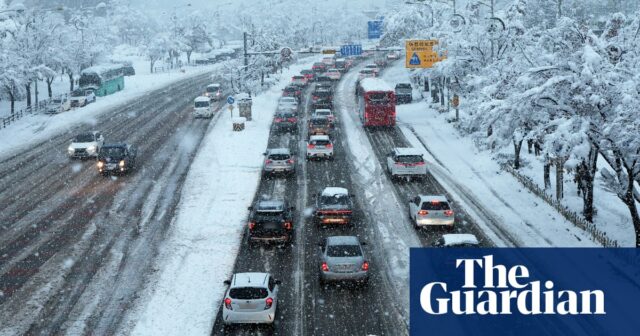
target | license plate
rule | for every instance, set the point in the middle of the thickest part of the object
(111, 166)
(334, 220)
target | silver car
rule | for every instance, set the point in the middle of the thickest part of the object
(279, 160)
(252, 298)
(431, 210)
(342, 259)
(457, 240)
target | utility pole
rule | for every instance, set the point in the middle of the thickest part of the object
(492, 42)
(246, 55)
(559, 8)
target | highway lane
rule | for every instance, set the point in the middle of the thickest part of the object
(306, 307)
(76, 245)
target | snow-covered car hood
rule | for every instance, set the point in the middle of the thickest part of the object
(85, 145)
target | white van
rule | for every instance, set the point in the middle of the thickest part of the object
(202, 107)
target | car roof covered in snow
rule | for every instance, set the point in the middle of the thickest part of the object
(335, 191)
(375, 84)
(319, 111)
(343, 240)
(279, 151)
(434, 198)
(270, 205)
(202, 99)
(214, 85)
(319, 137)
(454, 239)
(407, 151)
(249, 279)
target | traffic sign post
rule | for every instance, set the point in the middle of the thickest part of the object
(351, 50)
(420, 54)
(230, 100)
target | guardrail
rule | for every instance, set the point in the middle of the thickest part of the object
(569, 215)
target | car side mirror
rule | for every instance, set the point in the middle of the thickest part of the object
(278, 282)
(250, 208)
(227, 282)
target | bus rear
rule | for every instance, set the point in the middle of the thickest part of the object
(377, 103)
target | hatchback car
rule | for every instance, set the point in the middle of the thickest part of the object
(431, 210)
(319, 67)
(58, 105)
(457, 240)
(366, 73)
(308, 74)
(290, 103)
(342, 259)
(252, 298)
(319, 146)
(373, 67)
(334, 74)
(292, 91)
(116, 159)
(333, 206)
(279, 160)
(319, 125)
(299, 80)
(85, 145)
(322, 98)
(285, 121)
(270, 221)
(407, 162)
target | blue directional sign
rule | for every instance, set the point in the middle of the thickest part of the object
(230, 100)
(415, 59)
(351, 50)
(374, 30)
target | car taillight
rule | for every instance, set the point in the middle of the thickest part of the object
(252, 225)
(292, 119)
(423, 212)
(288, 225)
(420, 164)
(329, 146)
(267, 161)
(290, 161)
(310, 146)
(325, 267)
(448, 213)
(268, 303)
(227, 303)
(365, 266)
(278, 119)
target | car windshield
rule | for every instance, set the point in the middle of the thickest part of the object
(212, 88)
(56, 101)
(306, 72)
(248, 293)
(202, 104)
(291, 89)
(319, 122)
(298, 77)
(285, 115)
(322, 94)
(403, 86)
(320, 142)
(279, 157)
(435, 205)
(366, 71)
(323, 113)
(87, 137)
(111, 151)
(343, 251)
(335, 200)
(409, 158)
(77, 93)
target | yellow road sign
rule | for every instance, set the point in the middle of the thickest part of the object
(329, 51)
(420, 54)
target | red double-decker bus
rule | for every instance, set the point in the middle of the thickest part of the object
(376, 102)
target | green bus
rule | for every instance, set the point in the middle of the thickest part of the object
(103, 79)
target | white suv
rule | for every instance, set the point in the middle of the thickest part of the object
(407, 162)
(319, 146)
(85, 145)
(431, 210)
(251, 298)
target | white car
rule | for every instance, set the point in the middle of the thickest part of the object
(86, 145)
(407, 162)
(319, 146)
(325, 113)
(202, 107)
(373, 67)
(252, 298)
(366, 73)
(57, 105)
(80, 97)
(334, 74)
(214, 92)
(431, 210)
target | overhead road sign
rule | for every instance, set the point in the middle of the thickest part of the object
(351, 50)
(420, 54)
(374, 29)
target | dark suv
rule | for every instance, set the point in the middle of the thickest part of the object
(271, 221)
(116, 159)
(333, 206)
(403, 93)
(322, 98)
(292, 91)
(285, 121)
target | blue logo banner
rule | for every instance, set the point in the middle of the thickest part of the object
(527, 291)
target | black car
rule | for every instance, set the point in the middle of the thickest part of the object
(403, 93)
(333, 206)
(116, 159)
(285, 121)
(271, 221)
(324, 81)
(322, 98)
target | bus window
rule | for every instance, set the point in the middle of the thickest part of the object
(378, 98)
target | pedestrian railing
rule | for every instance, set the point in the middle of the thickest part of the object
(579, 221)
(6, 121)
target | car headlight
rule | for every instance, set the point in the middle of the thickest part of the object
(91, 149)
(100, 164)
(121, 163)
(70, 149)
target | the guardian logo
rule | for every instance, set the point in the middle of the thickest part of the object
(506, 291)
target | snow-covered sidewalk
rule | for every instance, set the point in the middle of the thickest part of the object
(459, 165)
(206, 234)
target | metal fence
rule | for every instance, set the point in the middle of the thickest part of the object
(569, 215)
(6, 121)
